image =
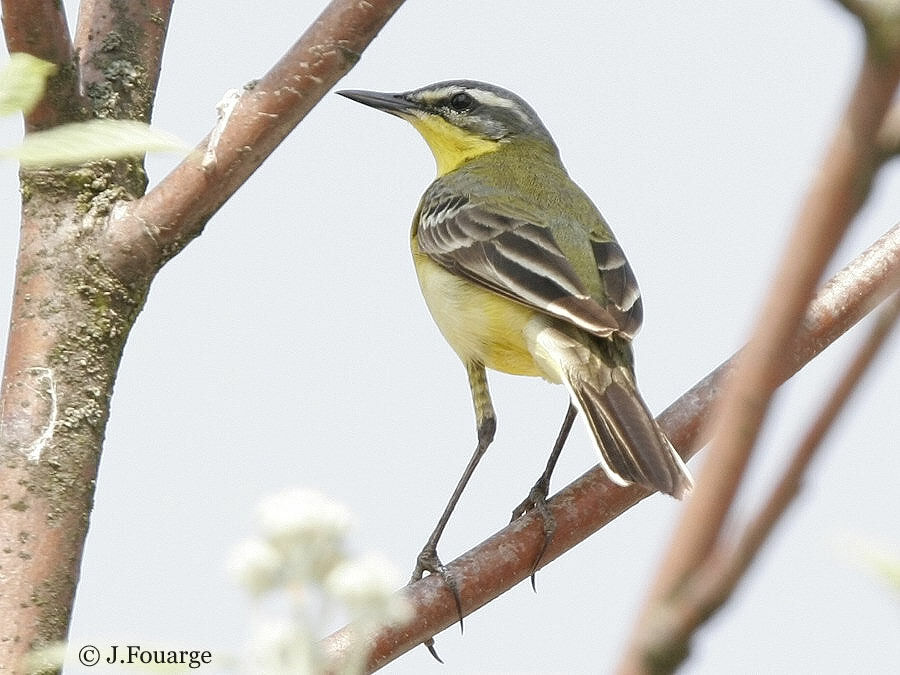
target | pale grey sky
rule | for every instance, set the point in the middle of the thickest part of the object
(289, 346)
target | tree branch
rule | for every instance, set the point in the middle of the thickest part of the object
(120, 45)
(713, 583)
(589, 503)
(889, 135)
(836, 194)
(39, 28)
(789, 485)
(879, 19)
(834, 198)
(153, 229)
(72, 312)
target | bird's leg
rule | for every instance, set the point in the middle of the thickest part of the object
(537, 497)
(428, 560)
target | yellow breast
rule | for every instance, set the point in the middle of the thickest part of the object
(480, 325)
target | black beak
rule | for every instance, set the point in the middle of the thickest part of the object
(396, 104)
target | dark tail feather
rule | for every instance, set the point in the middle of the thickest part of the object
(632, 447)
(598, 375)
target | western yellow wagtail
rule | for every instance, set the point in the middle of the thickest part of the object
(523, 275)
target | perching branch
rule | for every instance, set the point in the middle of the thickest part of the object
(70, 319)
(791, 481)
(833, 200)
(712, 584)
(835, 196)
(589, 503)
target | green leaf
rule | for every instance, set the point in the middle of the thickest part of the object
(22, 82)
(89, 141)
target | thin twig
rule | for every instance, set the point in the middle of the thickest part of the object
(589, 503)
(714, 582)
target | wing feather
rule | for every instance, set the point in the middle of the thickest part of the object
(521, 260)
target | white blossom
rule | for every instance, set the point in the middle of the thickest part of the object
(366, 586)
(285, 647)
(308, 529)
(256, 565)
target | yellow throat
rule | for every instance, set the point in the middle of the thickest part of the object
(451, 145)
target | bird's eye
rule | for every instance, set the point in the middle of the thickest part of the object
(461, 101)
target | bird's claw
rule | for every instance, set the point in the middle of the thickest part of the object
(537, 500)
(428, 561)
(429, 643)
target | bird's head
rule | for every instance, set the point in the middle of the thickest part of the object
(462, 119)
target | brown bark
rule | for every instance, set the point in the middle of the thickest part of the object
(82, 276)
(39, 28)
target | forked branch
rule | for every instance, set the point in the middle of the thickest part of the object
(88, 272)
(252, 123)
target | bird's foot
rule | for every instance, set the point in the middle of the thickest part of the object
(537, 500)
(428, 561)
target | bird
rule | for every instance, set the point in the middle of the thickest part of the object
(523, 275)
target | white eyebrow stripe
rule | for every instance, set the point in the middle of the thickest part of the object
(483, 96)
(492, 99)
(433, 95)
